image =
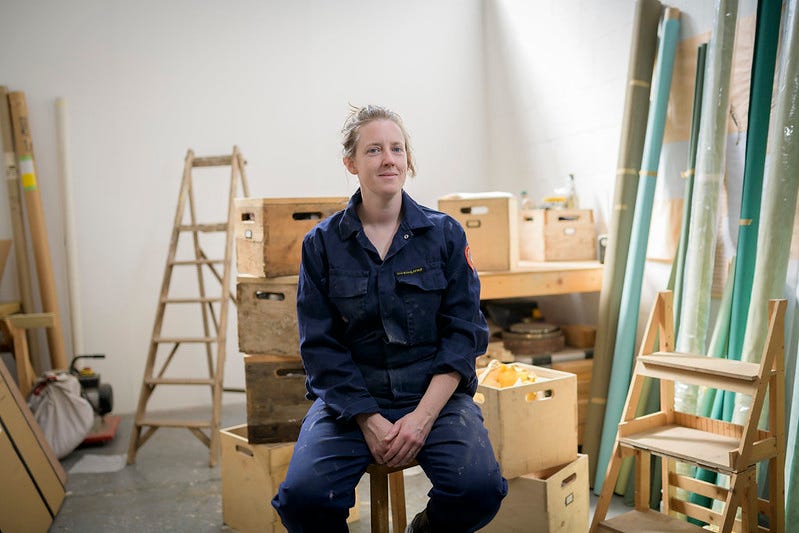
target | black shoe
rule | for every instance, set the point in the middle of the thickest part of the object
(419, 524)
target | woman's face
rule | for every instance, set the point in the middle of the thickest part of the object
(380, 162)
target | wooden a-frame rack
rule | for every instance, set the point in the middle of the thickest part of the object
(727, 448)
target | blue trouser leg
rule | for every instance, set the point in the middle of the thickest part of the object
(330, 458)
(468, 486)
(328, 461)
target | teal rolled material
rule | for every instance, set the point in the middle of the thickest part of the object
(761, 86)
(634, 271)
(678, 268)
(779, 205)
(650, 392)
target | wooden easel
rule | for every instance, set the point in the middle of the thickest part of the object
(145, 425)
(723, 447)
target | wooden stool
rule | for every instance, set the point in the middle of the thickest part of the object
(382, 481)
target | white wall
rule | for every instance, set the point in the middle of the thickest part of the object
(147, 80)
(497, 94)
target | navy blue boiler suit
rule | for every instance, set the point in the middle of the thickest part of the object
(372, 334)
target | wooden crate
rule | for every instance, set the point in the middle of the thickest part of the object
(491, 225)
(532, 427)
(583, 369)
(557, 235)
(269, 232)
(251, 474)
(555, 500)
(276, 403)
(267, 315)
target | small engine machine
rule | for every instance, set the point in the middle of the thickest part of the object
(99, 395)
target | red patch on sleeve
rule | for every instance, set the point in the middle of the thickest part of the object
(468, 255)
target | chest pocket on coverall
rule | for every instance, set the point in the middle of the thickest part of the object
(421, 294)
(348, 293)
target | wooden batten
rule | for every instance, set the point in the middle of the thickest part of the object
(719, 427)
(642, 423)
(697, 486)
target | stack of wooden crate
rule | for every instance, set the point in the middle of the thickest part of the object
(269, 234)
(533, 430)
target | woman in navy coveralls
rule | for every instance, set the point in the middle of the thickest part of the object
(389, 316)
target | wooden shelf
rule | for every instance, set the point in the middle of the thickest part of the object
(701, 370)
(637, 521)
(542, 279)
(692, 446)
(703, 364)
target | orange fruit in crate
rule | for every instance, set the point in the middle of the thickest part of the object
(500, 375)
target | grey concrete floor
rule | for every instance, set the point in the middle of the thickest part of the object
(171, 487)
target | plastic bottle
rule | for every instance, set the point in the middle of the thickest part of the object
(525, 201)
(572, 202)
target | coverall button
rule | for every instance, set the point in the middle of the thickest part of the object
(406, 236)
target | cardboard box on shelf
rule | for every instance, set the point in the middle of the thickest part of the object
(557, 235)
(579, 335)
(491, 224)
(533, 426)
(553, 501)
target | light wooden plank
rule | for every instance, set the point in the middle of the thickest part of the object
(31, 320)
(708, 379)
(542, 279)
(8, 308)
(156, 422)
(697, 486)
(705, 365)
(637, 521)
(689, 445)
(642, 423)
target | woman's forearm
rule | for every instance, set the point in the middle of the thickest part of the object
(438, 393)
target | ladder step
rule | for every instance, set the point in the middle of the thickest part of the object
(207, 228)
(212, 161)
(200, 424)
(185, 339)
(649, 520)
(189, 300)
(199, 262)
(179, 381)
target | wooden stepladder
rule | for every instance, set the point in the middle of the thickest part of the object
(212, 308)
(730, 449)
